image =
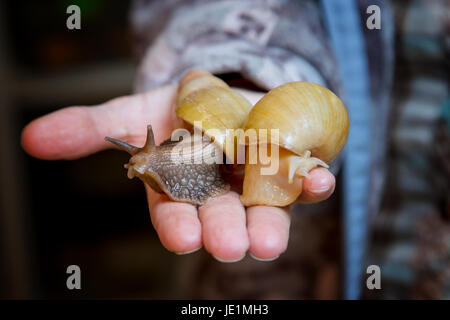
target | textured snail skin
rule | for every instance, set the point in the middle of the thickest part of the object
(313, 128)
(180, 181)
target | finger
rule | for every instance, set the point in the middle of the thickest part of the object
(268, 231)
(223, 227)
(318, 187)
(75, 132)
(176, 223)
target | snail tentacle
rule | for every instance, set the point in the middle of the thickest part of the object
(148, 146)
(299, 166)
(150, 141)
(122, 145)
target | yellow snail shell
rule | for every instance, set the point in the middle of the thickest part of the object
(209, 101)
(313, 128)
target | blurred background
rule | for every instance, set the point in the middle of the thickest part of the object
(86, 212)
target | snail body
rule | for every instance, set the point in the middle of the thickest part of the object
(187, 182)
(204, 99)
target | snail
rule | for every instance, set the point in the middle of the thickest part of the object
(209, 101)
(311, 124)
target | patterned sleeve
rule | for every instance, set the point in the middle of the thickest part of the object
(267, 42)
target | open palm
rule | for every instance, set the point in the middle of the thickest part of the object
(223, 225)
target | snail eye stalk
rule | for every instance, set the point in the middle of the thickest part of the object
(150, 141)
(123, 145)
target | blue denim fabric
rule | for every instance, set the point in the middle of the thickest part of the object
(345, 29)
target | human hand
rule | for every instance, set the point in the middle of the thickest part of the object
(223, 225)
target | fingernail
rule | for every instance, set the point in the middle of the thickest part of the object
(187, 252)
(321, 184)
(264, 260)
(228, 261)
(320, 190)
